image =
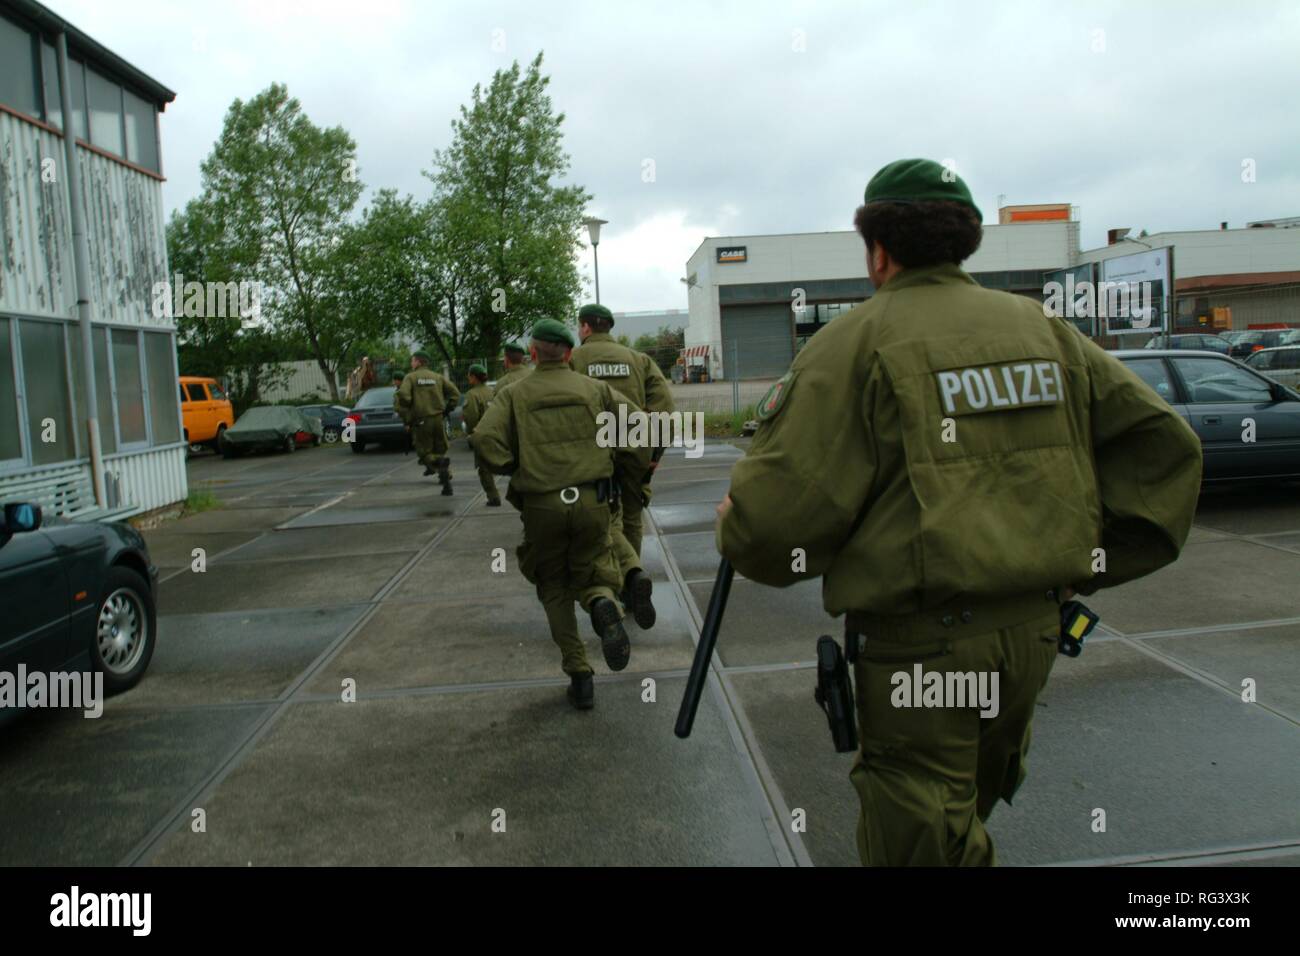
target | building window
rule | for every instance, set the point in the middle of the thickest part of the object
(77, 77)
(128, 387)
(104, 388)
(141, 131)
(50, 80)
(18, 88)
(164, 412)
(105, 100)
(45, 389)
(11, 446)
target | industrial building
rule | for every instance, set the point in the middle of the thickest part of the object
(90, 416)
(754, 300)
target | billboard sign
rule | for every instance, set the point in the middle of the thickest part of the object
(1134, 296)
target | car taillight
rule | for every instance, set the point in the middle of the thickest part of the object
(1257, 348)
(353, 417)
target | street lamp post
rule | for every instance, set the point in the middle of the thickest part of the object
(593, 231)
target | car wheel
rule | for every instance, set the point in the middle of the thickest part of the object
(331, 435)
(290, 443)
(228, 450)
(358, 447)
(125, 630)
(220, 439)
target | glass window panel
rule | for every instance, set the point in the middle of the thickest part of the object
(72, 334)
(105, 98)
(77, 80)
(50, 78)
(218, 395)
(141, 132)
(197, 394)
(1213, 381)
(130, 390)
(18, 87)
(10, 442)
(104, 394)
(45, 387)
(1153, 372)
(163, 410)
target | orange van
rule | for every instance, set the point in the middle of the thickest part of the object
(206, 411)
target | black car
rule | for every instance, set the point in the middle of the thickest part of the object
(1197, 341)
(79, 596)
(331, 419)
(1249, 426)
(1250, 341)
(377, 423)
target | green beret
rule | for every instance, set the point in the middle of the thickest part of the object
(422, 356)
(549, 330)
(479, 370)
(514, 347)
(597, 312)
(918, 180)
(398, 376)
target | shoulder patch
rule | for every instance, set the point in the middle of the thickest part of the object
(774, 398)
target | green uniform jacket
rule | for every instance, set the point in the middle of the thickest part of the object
(476, 402)
(542, 430)
(423, 394)
(1054, 449)
(633, 373)
(510, 376)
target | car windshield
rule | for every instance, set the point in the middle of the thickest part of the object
(216, 391)
(377, 397)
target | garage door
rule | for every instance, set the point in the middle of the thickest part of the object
(764, 336)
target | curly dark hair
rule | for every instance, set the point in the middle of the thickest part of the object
(919, 234)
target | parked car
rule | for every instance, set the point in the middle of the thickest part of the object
(377, 423)
(206, 412)
(89, 593)
(1250, 341)
(270, 426)
(1216, 395)
(1281, 364)
(331, 420)
(1198, 341)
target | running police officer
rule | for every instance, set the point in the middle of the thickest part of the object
(951, 461)
(542, 431)
(422, 399)
(636, 375)
(476, 403)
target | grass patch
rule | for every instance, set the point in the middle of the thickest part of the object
(198, 501)
(728, 425)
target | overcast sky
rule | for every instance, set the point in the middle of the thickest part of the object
(769, 117)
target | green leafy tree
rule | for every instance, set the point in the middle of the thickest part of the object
(280, 190)
(663, 346)
(507, 230)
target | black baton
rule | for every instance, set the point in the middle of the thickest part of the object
(704, 649)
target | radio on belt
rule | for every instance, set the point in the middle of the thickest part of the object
(1077, 623)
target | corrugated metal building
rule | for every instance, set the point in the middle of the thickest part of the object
(76, 281)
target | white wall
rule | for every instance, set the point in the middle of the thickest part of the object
(1216, 251)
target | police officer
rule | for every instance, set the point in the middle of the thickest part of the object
(421, 401)
(514, 363)
(535, 431)
(952, 462)
(476, 403)
(636, 375)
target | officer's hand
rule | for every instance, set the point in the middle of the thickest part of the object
(724, 506)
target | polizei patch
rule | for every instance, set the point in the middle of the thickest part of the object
(609, 370)
(994, 388)
(772, 401)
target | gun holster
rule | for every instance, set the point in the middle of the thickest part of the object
(834, 694)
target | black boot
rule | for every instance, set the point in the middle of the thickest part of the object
(608, 623)
(636, 597)
(428, 469)
(582, 692)
(494, 503)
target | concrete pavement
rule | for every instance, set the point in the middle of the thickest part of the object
(331, 574)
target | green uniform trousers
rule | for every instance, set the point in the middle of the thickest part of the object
(634, 494)
(430, 441)
(489, 485)
(568, 555)
(625, 555)
(928, 778)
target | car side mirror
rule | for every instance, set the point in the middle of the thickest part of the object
(20, 517)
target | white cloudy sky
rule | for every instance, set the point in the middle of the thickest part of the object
(1139, 112)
